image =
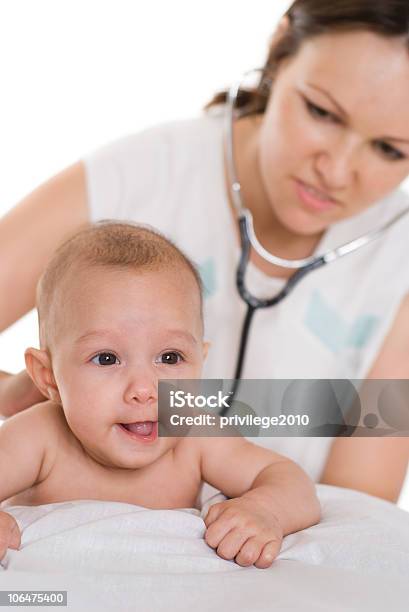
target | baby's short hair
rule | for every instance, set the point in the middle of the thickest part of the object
(110, 244)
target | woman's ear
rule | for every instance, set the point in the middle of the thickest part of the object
(38, 364)
(281, 29)
(283, 25)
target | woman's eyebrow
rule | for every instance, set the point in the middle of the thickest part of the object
(345, 114)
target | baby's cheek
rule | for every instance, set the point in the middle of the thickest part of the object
(81, 421)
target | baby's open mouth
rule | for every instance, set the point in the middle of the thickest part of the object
(142, 430)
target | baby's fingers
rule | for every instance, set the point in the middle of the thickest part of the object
(15, 537)
(216, 533)
(232, 543)
(270, 551)
(213, 513)
(9, 532)
(249, 552)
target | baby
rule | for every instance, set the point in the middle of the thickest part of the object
(119, 308)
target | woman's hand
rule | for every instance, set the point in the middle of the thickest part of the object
(9, 533)
(17, 392)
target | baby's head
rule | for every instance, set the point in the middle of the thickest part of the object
(119, 308)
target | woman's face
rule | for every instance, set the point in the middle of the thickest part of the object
(335, 120)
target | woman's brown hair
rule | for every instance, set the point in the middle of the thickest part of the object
(308, 18)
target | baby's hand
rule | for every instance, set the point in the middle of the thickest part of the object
(245, 530)
(9, 533)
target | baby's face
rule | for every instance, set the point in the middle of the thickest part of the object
(119, 333)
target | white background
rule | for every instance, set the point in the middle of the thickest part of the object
(76, 74)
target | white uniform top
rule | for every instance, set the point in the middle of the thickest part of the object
(332, 325)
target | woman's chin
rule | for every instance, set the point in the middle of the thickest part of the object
(300, 223)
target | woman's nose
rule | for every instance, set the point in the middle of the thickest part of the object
(142, 387)
(336, 166)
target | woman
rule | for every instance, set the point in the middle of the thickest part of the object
(320, 155)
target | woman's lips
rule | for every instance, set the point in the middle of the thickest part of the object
(312, 199)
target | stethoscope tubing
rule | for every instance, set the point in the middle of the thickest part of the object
(254, 303)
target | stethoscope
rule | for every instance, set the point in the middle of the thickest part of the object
(248, 239)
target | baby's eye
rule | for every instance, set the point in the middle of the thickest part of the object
(105, 359)
(171, 358)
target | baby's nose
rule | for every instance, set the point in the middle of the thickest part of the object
(142, 388)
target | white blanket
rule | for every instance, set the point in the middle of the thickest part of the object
(115, 556)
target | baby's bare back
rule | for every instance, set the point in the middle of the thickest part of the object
(69, 472)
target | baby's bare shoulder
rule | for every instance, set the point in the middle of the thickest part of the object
(187, 452)
(44, 415)
(48, 415)
(41, 427)
(30, 439)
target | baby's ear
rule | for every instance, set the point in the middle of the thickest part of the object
(38, 364)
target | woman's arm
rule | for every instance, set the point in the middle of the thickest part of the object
(373, 465)
(376, 465)
(17, 392)
(29, 234)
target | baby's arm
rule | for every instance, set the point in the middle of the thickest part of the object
(272, 495)
(25, 442)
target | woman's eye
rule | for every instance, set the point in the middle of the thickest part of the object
(318, 112)
(390, 152)
(105, 359)
(171, 358)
